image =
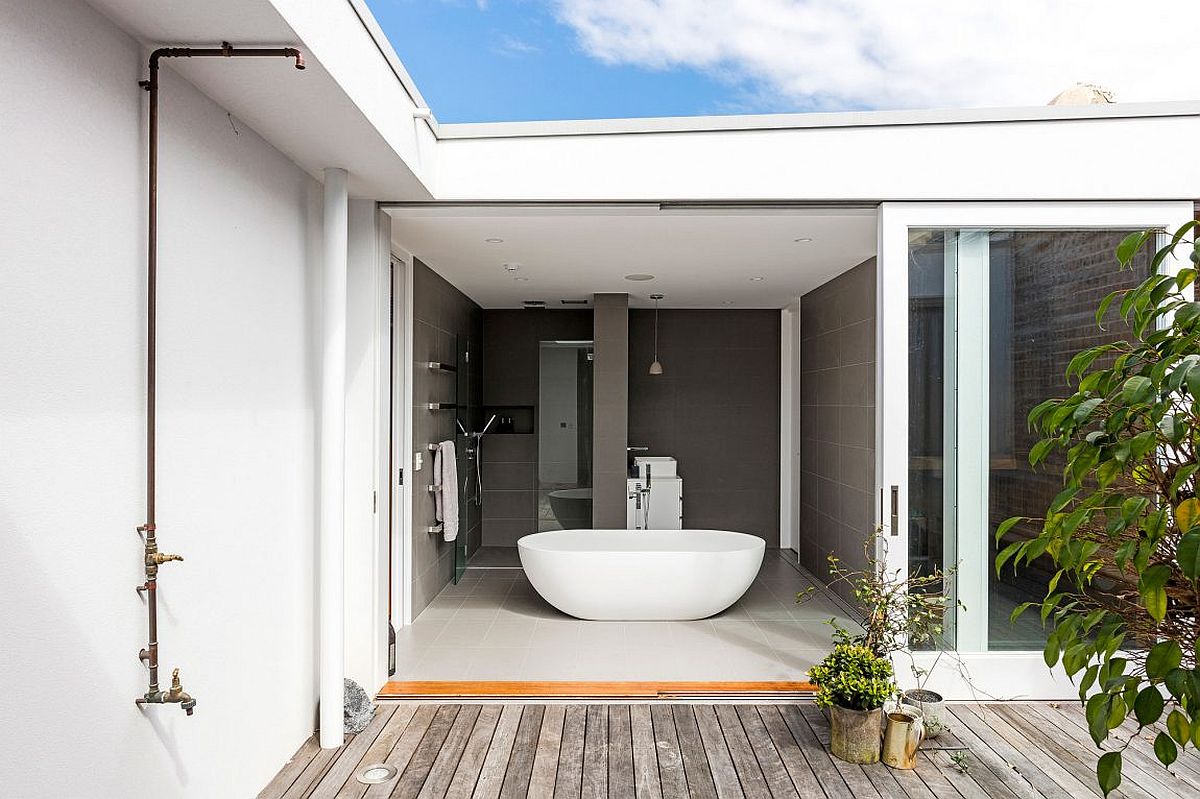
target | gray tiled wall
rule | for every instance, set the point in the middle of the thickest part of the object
(442, 315)
(715, 409)
(511, 350)
(837, 419)
(610, 411)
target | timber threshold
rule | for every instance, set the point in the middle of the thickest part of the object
(578, 689)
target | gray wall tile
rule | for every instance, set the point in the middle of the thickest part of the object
(837, 420)
(715, 409)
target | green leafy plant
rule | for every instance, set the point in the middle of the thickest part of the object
(853, 677)
(961, 760)
(1124, 533)
(898, 613)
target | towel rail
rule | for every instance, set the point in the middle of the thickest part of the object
(434, 528)
(437, 366)
(441, 406)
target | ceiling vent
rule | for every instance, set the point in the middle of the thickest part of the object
(534, 303)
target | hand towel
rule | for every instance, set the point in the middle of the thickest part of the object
(446, 476)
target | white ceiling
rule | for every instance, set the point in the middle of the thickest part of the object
(700, 258)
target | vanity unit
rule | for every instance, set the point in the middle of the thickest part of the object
(655, 496)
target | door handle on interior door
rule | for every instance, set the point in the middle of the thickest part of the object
(895, 510)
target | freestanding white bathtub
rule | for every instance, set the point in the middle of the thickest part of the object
(641, 575)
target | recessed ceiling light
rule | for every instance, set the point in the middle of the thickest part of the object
(511, 267)
(522, 279)
(639, 278)
(757, 279)
(494, 240)
(802, 239)
(727, 302)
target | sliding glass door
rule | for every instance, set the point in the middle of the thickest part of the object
(982, 307)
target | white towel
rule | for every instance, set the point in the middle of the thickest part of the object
(445, 498)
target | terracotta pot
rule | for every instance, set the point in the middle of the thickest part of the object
(932, 707)
(902, 737)
(855, 734)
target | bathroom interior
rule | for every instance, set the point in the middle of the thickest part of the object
(617, 369)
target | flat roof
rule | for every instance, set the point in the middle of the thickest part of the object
(839, 119)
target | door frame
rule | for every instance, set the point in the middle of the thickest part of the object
(987, 673)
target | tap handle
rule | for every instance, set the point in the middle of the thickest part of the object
(162, 557)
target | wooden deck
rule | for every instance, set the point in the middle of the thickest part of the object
(664, 751)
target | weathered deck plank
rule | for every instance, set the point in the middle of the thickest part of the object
(664, 751)
(647, 782)
(595, 753)
(545, 761)
(569, 780)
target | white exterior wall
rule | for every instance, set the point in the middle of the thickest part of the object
(236, 446)
(1047, 159)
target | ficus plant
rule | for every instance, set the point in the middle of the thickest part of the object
(1123, 536)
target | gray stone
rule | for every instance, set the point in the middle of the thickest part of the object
(359, 708)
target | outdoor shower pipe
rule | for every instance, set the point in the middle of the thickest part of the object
(153, 558)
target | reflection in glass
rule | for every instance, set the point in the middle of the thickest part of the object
(1044, 290)
(564, 428)
(930, 495)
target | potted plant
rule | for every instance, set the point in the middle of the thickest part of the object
(896, 614)
(1123, 536)
(853, 683)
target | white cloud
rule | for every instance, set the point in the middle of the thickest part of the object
(904, 53)
(508, 45)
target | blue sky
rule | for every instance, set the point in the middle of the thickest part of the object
(513, 60)
(498, 60)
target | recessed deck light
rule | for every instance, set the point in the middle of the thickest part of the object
(494, 240)
(375, 773)
(803, 239)
(638, 278)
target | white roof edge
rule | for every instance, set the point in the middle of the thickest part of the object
(371, 25)
(840, 119)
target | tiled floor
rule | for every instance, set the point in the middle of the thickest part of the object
(494, 626)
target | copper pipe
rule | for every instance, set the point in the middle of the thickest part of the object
(154, 558)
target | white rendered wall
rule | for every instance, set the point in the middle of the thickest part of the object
(236, 447)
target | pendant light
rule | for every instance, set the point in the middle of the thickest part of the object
(656, 367)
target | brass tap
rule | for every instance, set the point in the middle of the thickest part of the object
(174, 695)
(162, 557)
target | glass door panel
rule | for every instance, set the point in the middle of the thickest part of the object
(994, 317)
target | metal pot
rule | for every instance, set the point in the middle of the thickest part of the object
(855, 734)
(932, 707)
(902, 737)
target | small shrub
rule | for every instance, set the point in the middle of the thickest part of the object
(853, 677)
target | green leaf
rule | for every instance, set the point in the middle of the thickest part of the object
(1148, 706)
(1188, 555)
(1163, 657)
(1165, 749)
(1137, 389)
(1152, 588)
(1050, 653)
(1130, 246)
(1177, 725)
(1108, 771)
(1097, 710)
(1007, 525)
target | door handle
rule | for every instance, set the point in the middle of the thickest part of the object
(895, 510)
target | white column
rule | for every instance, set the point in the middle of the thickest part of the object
(331, 602)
